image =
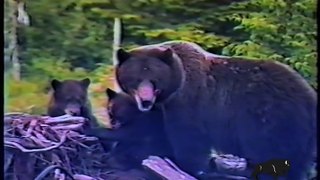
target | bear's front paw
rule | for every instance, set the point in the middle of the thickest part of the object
(90, 132)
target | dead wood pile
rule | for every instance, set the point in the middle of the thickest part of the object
(42, 147)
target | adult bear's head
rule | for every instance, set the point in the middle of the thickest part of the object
(149, 75)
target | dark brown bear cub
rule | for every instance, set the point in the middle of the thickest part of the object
(71, 97)
(139, 135)
(258, 110)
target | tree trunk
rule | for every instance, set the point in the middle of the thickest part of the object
(116, 45)
(13, 41)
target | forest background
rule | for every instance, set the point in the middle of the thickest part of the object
(73, 39)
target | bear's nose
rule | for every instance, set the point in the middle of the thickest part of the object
(73, 112)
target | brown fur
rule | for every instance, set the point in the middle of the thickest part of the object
(138, 134)
(70, 96)
(244, 107)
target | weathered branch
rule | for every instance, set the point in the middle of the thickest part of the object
(23, 149)
(168, 170)
(165, 169)
(42, 131)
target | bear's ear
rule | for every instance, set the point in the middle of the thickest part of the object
(55, 84)
(122, 56)
(167, 56)
(85, 82)
(110, 93)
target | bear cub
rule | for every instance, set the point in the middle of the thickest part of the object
(71, 97)
(139, 134)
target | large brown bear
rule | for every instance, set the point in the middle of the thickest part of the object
(259, 110)
(71, 97)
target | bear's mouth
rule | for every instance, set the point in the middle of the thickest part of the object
(73, 111)
(145, 96)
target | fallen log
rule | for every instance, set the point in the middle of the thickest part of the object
(168, 170)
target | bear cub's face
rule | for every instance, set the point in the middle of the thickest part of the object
(145, 76)
(70, 95)
(121, 108)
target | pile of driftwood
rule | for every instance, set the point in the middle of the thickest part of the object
(33, 143)
(42, 147)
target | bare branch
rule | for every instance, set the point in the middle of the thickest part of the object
(23, 149)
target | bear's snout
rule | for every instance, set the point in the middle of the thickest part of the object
(145, 95)
(73, 111)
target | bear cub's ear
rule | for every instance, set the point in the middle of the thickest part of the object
(55, 84)
(85, 82)
(167, 56)
(122, 56)
(110, 93)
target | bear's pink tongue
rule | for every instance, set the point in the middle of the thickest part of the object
(145, 93)
(145, 96)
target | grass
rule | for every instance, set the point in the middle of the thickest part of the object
(31, 97)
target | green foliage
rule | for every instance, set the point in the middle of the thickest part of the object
(187, 33)
(31, 94)
(6, 95)
(279, 30)
(62, 69)
(25, 96)
(62, 31)
(73, 39)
